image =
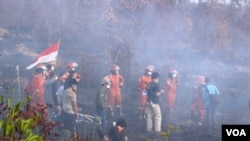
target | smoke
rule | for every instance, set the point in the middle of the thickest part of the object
(135, 34)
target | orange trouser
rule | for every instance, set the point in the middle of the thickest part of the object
(37, 99)
(170, 101)
(197, 105)
(115, 99)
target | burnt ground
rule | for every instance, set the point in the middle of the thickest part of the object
(233, 109)
(182, 130)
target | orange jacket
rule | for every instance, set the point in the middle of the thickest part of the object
(117, 82)
(37, 84)
(143, 82)
(171, 85)
(66, 75)
(170, 90)
(38, 89)
(198, 99)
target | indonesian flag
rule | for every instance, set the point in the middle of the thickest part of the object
(48, 55)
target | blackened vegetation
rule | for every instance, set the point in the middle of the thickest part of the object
(208, 39)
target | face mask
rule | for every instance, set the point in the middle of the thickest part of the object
(174, 75)
(107, 86)
(52, 68)
(149, 73)
(156, 80)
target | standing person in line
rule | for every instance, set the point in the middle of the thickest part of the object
(38, 87)
(115, 97)
(102, 104)
(198, 102)
(70, 74)
(171, 85)
(153, 109)
(51, 90)
(211, 97)
(69, 107)
(144, 80)
(55, 95)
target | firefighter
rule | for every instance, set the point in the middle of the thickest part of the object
(38, 87)
(115, 97)
(144, 80)
(70, 74)
(170, 86)
(198, 102)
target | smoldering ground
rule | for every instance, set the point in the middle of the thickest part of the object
(194, 39)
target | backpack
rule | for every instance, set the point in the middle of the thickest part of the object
(214, 99)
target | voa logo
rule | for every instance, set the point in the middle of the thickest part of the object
(236, 132)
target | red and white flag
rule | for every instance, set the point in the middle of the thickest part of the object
(48, 55)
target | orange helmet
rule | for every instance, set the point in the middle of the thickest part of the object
(72, 64)
(115, 67)
(150, 68)
(201, 79)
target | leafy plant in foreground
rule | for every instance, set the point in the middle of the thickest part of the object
(23, 122)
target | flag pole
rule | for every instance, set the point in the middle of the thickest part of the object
(59, 41)
(18, 81)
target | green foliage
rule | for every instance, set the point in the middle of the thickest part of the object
(164, 135)
(167, 134)
(19, 122)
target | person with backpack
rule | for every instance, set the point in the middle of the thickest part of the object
(211, 98)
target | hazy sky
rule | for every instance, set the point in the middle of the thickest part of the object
(219, 1)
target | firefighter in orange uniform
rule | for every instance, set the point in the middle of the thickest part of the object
(38, 87)
(71, 66)
(198, 102)
(144, 80)
(115, 97)
(70, 74)
(170, 86)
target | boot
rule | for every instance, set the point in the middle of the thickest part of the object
(120, 111)
(111, 111)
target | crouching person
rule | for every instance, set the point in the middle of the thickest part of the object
(118, 131)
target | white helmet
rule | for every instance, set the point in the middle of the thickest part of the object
(150, 68)
(105, 80)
